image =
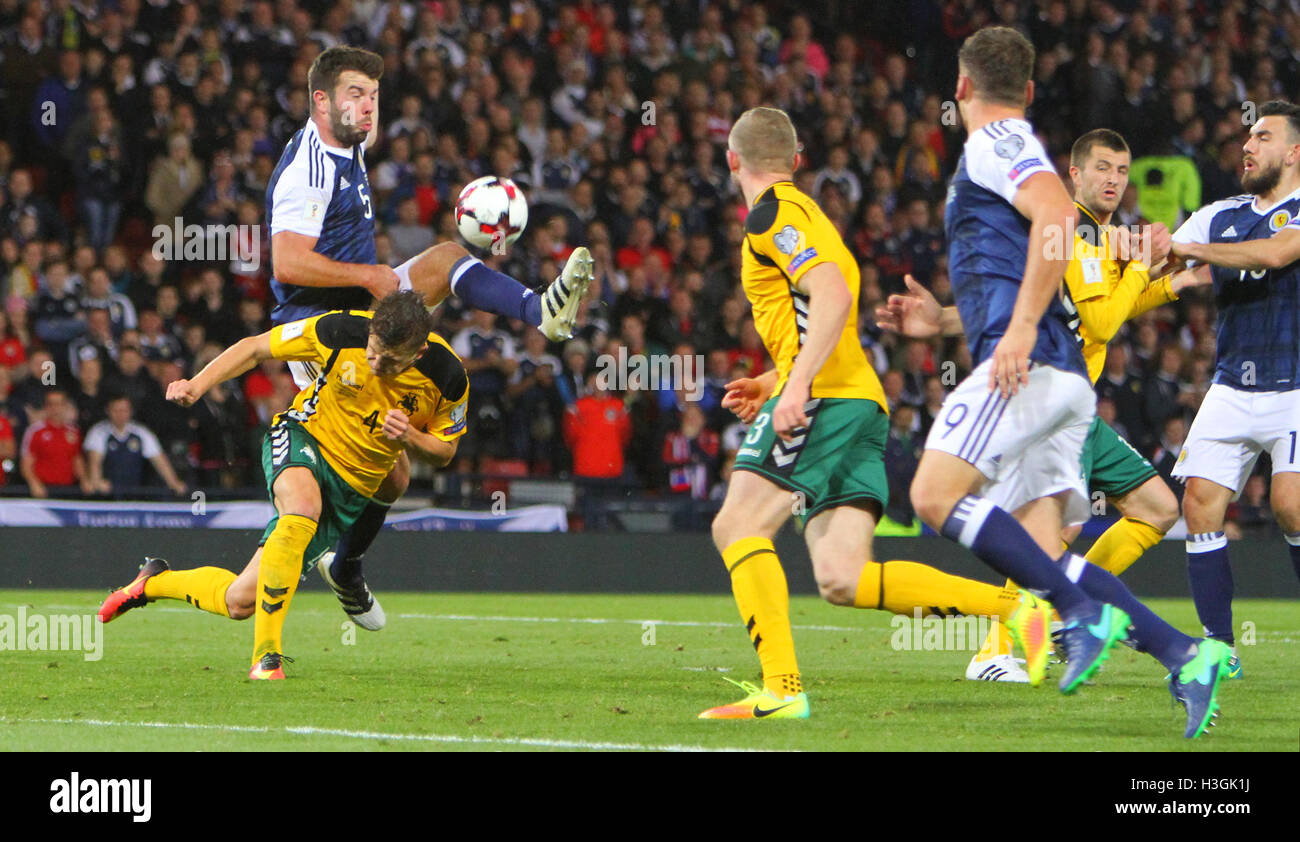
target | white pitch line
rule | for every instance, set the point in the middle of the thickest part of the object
(608, 620)
(311, 730)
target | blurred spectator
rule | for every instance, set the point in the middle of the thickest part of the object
(96, 343)
(597, 430)
(173, 181)
(91, 400)
(117, 450)
(489, 358)
(8, 448)
(1168, 450)
(99, 171)
(691, 455)
(98, 294)
(408, 236)
(51, 450)
(902, 456)
(538, 405)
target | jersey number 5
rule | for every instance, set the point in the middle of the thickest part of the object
(365, 197)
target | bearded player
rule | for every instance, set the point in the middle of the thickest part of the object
(321, 219)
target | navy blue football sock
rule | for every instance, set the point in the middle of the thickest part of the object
(487, 289)
(1150, 633)
(1211, 578)
(1004, 545)
(355, 542)
(1293, 542)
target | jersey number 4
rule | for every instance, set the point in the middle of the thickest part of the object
(371, 421)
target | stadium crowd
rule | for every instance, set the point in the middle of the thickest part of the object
(122, 116)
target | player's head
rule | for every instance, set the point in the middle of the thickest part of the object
(1099, 162)
(994, 66)
(399, 333)
(119, 410)
(763, 140)
(1273, 146)
(343, 85)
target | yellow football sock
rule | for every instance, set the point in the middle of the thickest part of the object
(277, 579)
(903, 586)
(758, 581)
(1122, 544)
(204, 587)
(998, 640)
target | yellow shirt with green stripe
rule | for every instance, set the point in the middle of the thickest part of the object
(786, 235)
(345, 406)
(1106, 290)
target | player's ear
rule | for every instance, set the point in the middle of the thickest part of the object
(733, 161)
(1029, 93)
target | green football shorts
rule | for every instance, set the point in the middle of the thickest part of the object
(1110, 464)
(288, 445)
(839, 459)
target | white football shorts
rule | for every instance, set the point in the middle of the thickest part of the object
(1029, 445)
(1232, 428)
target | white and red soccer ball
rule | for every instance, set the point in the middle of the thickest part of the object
(491, 210)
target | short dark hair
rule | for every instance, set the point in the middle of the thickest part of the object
(401, 320)
(999, 61)
(1105, 138)
(325, 70)
(1286, 109)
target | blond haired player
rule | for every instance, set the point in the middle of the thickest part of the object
(820, 437)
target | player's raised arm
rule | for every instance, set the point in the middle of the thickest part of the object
(917, 314)
(1043, 201)
(243, 356)
(1281, 249)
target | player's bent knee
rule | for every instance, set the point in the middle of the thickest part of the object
(837, 590)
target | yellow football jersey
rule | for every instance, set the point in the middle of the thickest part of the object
(344, 407)
(786, 235)
(1107, 291)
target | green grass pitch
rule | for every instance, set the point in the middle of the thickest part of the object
(563, 672)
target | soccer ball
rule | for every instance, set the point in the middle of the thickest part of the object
(491, 209)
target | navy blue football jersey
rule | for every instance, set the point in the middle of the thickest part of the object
(988, 241)
(1258, 326)
(321, 191)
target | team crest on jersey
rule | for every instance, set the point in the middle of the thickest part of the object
(787, 239)
(1182, 454)
(410, 404)
(1009, 147)
(1278, 220)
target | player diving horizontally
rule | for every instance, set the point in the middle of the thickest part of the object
(1002, 468)
(319, 213)
(1253, 242)
(822, 436)
(1109, 284)
(387, 385)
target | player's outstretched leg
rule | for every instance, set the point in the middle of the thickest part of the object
(448, 268)
(206, 588)
(839, 541)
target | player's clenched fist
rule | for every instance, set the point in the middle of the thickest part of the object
(183, 392)
(396, 424)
